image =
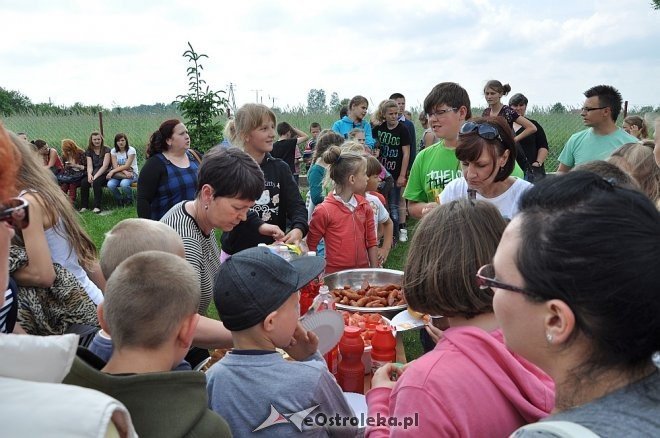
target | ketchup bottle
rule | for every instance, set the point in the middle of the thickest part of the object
(383, 347)
(351, 369)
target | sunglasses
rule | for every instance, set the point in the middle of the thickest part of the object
(15, 212)
(484, 130)
(486, 279)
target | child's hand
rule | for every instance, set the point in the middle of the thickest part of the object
(387, 375)
(303, 344)
(294, 236)
(383, 253)
(271, 230)
(434, 332)
(401, 181)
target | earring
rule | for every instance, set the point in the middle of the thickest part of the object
(206, 207)
(548, 337)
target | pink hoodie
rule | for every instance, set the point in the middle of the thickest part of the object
(469, 385)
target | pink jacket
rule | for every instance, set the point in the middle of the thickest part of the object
(347, 234)
(470, 385)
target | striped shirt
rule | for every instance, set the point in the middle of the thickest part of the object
(202, 251)
(9, 309)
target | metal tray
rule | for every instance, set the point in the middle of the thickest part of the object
(356, 277)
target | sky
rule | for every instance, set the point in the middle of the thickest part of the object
(129, 52)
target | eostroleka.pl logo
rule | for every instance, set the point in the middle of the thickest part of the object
(320, 419)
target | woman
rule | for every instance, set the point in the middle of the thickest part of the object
(124, 170)
(636, 126)
(228, 184)
(535, 146)
(98, 164)
(74, 163)
(582, 302)
(487, 153)
(470, 384)
(49, 156)
(54, 234)
(170, 172)
(638, 161)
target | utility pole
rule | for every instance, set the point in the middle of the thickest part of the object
(256, 95)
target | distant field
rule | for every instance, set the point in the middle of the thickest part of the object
(138, 128)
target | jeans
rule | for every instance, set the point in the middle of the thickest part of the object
(117, 186)
(393, 205)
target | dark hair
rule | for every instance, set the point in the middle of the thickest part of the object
(470, 146)
(608, 96)
(38, 144)
(595, 248)
(373, 166)
(283, 128)
(343, 111)
(314, 125)
(90, 145)
(324, 141)
(119, 137)
(448, 93)
(441, 279)
(518, 99)
(157, 142)
(497, 86)
(397, 96)
(232, 173)
(640, 123)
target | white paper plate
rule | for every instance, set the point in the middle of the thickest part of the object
(328, 325)
(403, 321)
(357, 402)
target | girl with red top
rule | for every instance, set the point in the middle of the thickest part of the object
(345, 220)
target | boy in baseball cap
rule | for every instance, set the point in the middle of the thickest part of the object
(253, 386)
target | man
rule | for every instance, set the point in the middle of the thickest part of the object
(602, 136)
(401, 104)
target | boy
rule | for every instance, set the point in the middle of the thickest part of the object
(132, 236)
(314, 130)
(286, 148)
(152, 316)
(253, 386)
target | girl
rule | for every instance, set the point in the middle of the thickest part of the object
(357, 134)
(316, 174)
(50, 156)
(470, 365)
(394, 151)
(124, 170)
(169, 175)
(636, 126)
(354, 118)
(54, 234)
(280, 203)
(493, 91)
(74, 161)
(344, 220)
(98, 163)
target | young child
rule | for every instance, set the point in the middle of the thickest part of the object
(394, 146)
(256, 293)
(385, 227)
(152, 316)
(357, 135)
(254, 132)
(345, 221)
(286, 148)
(314, 131)
(357, 110)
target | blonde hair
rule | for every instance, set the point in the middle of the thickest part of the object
(248, 118)
(379, 116)
(147, 298)
(54, 202)
(638, 160)
(9, 164)
(135, 235)
(342, 166)
(353, 146)
(640, 123)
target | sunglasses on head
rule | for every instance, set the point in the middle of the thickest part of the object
(15, 212)
(484, 130)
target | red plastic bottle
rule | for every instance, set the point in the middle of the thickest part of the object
(383, 347)
(350, 375)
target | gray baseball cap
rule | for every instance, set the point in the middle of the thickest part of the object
(255, 282)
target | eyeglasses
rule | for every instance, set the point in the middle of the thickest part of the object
(486, 279)
(441, 112)
(484, 130)
(15, 212)
(586, 109)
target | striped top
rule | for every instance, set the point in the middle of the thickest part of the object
(202, 251)
(9, 309)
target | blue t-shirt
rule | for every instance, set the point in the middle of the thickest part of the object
(587, 146)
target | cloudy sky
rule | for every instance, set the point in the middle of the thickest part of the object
(128, 52)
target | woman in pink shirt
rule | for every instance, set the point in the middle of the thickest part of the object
(470, 384)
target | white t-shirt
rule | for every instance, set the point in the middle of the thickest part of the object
(381, 214)
(506, 203)
(122, 158)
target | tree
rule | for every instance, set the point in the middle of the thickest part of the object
(201, 105)
(316, 101)
(656, 4)
(335, 103)
(12, 102)
(558, 108)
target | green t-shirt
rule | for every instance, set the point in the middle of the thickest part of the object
(434, 168)
(587, 146)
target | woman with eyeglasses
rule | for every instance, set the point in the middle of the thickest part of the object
(487, 152)
(470, 384)
(54, 234)
(582, 301)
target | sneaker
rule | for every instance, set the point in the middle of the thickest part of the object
(403, 235)
(82, 210)
(97, 210)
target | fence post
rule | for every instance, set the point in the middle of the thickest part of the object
(101, 123)
(625, 109)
